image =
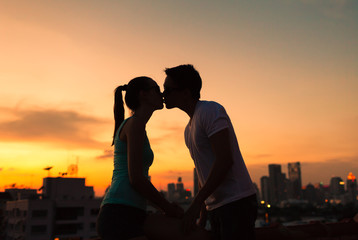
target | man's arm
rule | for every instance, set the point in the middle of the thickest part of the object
(221, 146)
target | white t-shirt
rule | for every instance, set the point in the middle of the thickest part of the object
(208, 119)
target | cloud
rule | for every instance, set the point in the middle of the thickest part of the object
(58, 127)
(107, 154)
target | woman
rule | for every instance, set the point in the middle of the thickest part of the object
(122, 213)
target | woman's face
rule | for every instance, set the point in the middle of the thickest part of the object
(154, 96)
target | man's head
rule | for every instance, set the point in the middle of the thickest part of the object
(179, 79)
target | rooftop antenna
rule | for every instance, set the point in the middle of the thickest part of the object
(48, 170)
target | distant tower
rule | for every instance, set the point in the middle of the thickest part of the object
(276, 184)
(265, 189)
(310, 193)
(196, 182)
(336, 187)
(180, 185)
(352, 187)
(171, 191)
(295, 181)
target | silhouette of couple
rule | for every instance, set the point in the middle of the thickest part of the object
(227, 197)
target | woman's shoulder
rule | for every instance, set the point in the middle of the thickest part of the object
(134, 125)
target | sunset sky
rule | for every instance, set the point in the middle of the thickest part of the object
(285, 70)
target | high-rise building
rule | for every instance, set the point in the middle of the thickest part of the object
(352, 187)
(171, 191)
(180, 185)
(276, 184)
(310, 193)
(265, 189)
(336, 187)
(177, 193)
(295, 181)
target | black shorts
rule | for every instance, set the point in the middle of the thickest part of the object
(120, 222)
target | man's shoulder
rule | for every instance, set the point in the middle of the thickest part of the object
(209, 104)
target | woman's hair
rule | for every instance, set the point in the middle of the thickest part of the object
(131, 98)
(186, 77)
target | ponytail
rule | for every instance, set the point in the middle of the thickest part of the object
(118, 109)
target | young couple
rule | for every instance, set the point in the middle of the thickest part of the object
(226, 196)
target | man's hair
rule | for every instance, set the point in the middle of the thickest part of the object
(186, 77)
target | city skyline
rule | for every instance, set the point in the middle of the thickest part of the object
(189, 184)
(285, 71)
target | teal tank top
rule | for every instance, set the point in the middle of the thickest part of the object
(121, 191)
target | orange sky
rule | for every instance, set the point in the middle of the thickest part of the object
(285, 70)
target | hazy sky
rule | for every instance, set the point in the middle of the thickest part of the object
(285, 70)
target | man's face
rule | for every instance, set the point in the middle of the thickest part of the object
(172, 93)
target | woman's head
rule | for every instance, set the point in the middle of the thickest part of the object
(133, 97)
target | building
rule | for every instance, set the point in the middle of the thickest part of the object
(336, 187)
(295, 181)
(265, 189)
(4, 197)
(171, 191)
(310, 194)
(22, 193)
(66, 210)
(276, 184)
(177, 193)
(351, 187)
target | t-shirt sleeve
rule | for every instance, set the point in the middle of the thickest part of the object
(214, 119)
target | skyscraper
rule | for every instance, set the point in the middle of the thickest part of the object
(336, 187)
(265, 189)
(171, 191)
(352, 187)
(276, 183)
(295, 181)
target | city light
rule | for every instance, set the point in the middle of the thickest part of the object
(351, 177)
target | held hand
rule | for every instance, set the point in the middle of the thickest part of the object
(190, 217)
(174, 211)
(203, 217)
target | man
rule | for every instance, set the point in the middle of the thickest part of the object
(225, 184)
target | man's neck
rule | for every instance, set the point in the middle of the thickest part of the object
(189, 108)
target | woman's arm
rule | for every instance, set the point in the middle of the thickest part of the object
(135, 132)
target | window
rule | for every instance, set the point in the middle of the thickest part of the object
(69, 213)
(93, 226)
(94, 211)
(39, 213)
(68, 228)
(38, 229)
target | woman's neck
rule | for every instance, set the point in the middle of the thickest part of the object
(143, 114)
